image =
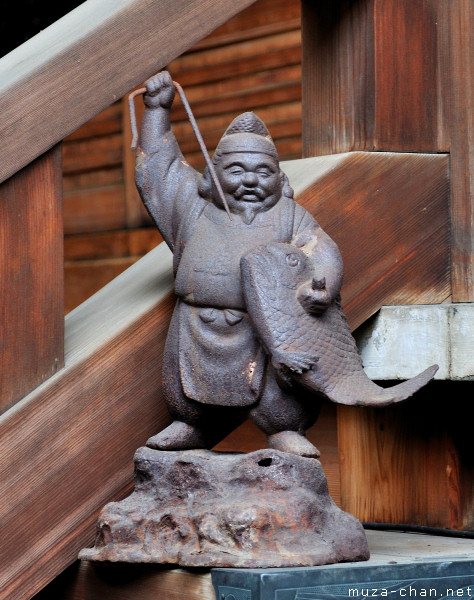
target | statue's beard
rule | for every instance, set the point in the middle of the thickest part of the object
(248, 208)
(249, 212)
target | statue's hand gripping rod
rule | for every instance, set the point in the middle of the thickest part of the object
(197, 133)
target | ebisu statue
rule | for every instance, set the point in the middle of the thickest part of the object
(257, 329)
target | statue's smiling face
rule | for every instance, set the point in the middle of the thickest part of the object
(250, 181)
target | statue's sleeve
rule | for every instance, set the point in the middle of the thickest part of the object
(168, 186)
(310, 237)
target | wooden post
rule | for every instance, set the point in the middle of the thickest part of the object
(31, 272)
(456, 50)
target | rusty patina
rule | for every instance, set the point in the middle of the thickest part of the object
(199, 508)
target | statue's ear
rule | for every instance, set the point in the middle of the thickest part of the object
(286, 189)
(205, 187)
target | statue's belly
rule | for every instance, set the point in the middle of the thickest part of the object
(209, 270)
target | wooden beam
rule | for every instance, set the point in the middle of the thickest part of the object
(31, 272)
(94, 55)
(389, 215)
(67, 448)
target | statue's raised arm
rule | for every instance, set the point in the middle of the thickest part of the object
(168, 185)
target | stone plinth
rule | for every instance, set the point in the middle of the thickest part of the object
(201, 508)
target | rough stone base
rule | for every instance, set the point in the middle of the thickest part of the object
(199, 508)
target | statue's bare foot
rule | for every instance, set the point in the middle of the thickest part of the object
(294, 443)
(178, 436)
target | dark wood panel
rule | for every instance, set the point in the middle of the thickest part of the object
(262, 18)
(93, 260)
(260, 81)
(212, 60)
(253, 60)
(83, 278)
(98, 52)
(31, 311)
(92, 153)
(68, 447)
(111, 244)
(93, 179)
(406, 76)
(338, 76)
(98, 209)
(86, 581)
(249, 99)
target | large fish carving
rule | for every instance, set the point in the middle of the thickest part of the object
(314, 350)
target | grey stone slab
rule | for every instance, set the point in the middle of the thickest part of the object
(400, 341)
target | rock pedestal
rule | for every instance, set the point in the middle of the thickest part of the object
(199, 508)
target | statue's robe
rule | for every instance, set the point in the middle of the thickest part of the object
(211, 341)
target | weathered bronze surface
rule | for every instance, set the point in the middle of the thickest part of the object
(199, 508)
(257, 329)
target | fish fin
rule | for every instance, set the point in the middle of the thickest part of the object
(294, 362)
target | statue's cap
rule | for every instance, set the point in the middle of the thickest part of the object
(247, 133)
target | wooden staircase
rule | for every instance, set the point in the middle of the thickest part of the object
(77, 404)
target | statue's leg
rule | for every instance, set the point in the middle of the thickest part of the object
(285, 415)
(188, 430)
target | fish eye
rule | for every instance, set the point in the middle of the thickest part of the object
(292, 260)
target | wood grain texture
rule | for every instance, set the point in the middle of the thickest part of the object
(409, 463)
(406, 76)
(392, 76)
(457, 67)
(389, 215)
(75, 435)
(265, 17)
(338, 76)
(371, 76)
(94, 209)
(111, 244)
(72, 70)
(31, 302)
(93, 260)
(86, 581)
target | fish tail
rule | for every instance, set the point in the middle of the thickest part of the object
(368, 393)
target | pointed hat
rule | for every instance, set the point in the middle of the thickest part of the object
(247, 133)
